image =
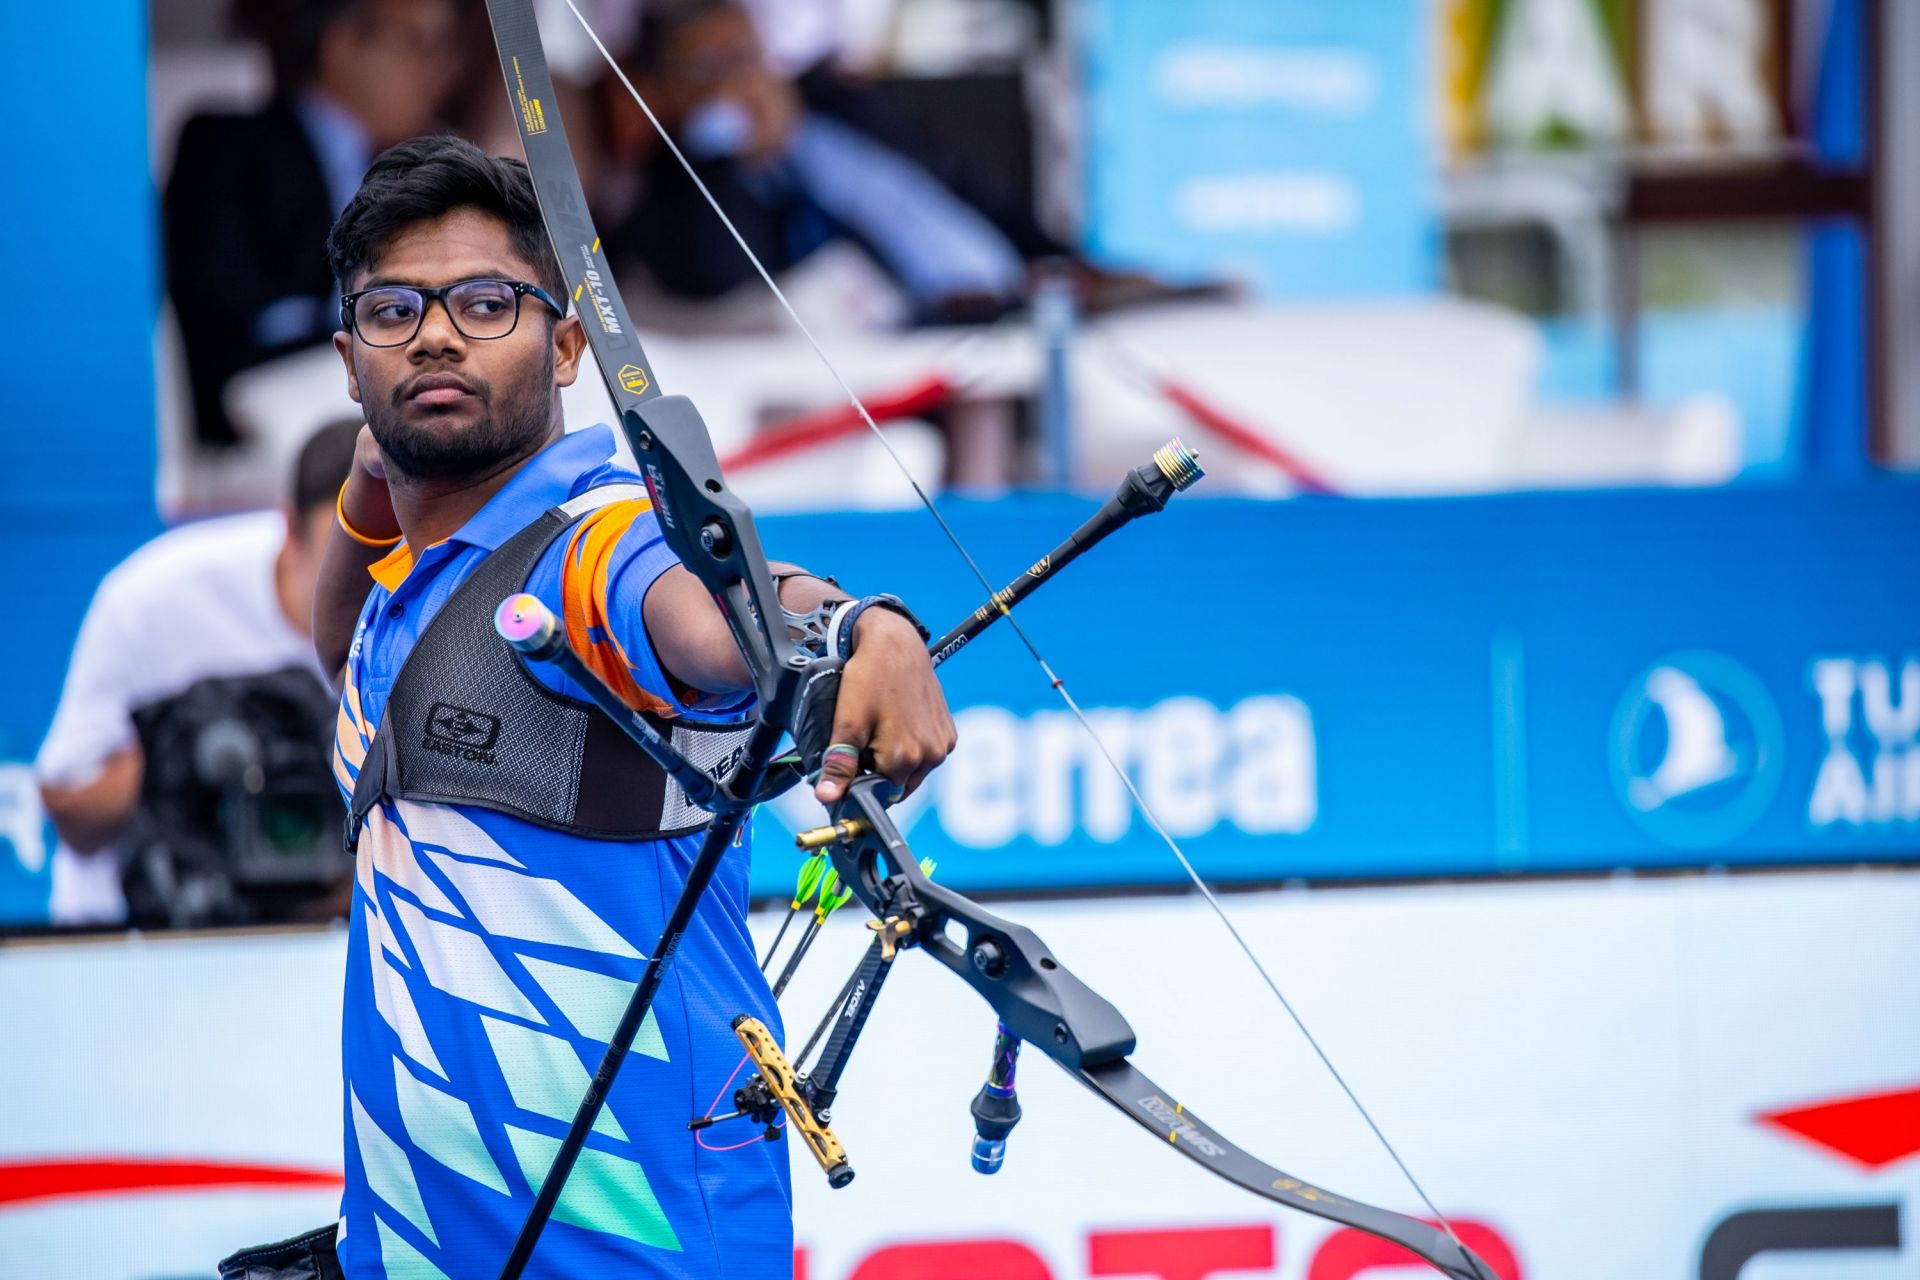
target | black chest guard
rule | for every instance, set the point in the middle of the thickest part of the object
(466, 723)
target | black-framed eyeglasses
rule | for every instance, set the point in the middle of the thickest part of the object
(390, 314)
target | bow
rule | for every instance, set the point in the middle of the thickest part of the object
(1037, 999)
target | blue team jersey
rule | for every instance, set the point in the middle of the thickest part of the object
(490, 958)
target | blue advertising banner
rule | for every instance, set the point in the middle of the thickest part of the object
(1534, 683)
(1283, 144)
(1384, 688)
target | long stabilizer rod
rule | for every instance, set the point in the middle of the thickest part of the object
(1144, 492)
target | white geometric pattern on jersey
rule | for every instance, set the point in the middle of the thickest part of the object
(511, 904)
(446, 827)
(498, 901)
(395, 1003)
(458, 963)
(593, 1003)
(394, 858)
(401, 1261)
(378, 931)
(443, 1127)
(543, 1074)
(389, 1176)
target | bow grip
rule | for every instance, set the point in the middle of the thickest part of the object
(814, 712)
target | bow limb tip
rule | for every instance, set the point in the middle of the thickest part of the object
(1129, 1089)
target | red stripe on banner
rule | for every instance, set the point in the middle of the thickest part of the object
(827, 425)
(1243, 437)
(1872, 1129)
(23, 1181)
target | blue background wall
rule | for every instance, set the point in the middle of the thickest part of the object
(76, 368)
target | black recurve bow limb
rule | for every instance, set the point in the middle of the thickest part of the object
(711, 530)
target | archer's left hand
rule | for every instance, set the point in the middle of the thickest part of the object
(890, 709)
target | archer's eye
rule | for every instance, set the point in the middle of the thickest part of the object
(389, 308)
(487, 302)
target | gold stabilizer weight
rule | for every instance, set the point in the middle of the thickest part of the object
(774, 1089)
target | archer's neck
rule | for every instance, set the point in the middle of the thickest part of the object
(432, 509)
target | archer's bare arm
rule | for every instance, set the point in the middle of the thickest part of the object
(343, 584)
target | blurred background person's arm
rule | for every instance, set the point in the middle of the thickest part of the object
(90, 765)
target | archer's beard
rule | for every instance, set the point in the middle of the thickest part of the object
(427, 444)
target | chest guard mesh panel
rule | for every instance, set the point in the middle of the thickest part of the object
(466, 722)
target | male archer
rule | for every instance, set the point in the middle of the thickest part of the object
(504, 909)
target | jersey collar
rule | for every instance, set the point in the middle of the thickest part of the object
(575, 462)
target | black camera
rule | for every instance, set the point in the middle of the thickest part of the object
(240, 816)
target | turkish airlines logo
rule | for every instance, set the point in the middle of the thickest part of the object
(1698, 749)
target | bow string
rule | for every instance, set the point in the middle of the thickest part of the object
(712, 532)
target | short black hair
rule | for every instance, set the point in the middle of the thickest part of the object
(426, 178)
(323, 464)
(292, 31)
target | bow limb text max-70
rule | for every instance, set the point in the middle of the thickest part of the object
(1037, 1000)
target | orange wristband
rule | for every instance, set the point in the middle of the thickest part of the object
(340, 514)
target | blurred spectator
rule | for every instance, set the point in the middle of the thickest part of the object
(194, 707)
(252, 196)
(799, 163)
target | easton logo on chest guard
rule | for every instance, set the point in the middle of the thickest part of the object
(458, 731)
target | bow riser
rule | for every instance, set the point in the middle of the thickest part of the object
(712, 532)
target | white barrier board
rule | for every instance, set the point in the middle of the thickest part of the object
(1580, 1072)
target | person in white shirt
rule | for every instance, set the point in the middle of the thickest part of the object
(225, 597)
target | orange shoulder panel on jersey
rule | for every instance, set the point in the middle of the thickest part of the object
(583, 588)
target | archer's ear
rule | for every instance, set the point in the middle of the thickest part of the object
(569, 345)
(343, 343)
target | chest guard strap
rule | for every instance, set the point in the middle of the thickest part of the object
(466, 723)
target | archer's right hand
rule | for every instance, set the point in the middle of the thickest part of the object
(366, 501)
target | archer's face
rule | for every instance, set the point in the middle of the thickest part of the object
(444, 405)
